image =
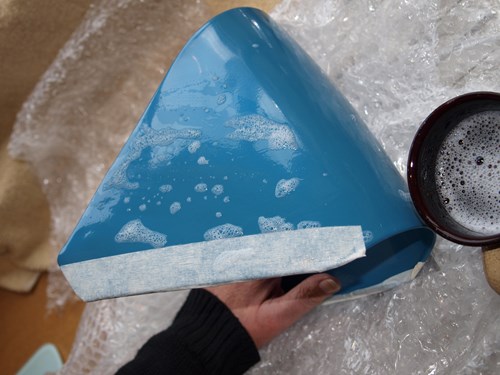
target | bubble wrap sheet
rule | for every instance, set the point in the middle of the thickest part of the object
(395, 61)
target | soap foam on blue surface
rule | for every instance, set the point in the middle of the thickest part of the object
(285, 187)
(254, 128)
(135, 231)
(223, 231)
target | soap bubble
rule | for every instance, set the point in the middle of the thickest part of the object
(165, 188)
(273, 224)
(202, 160)
(223, 231)
(135, 231)
(285, 187)
(201, 187)
(308, 224)
(217, 189)
(194, 146)
(254, 128)
(175, 207)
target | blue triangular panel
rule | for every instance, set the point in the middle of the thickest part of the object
(244, 140)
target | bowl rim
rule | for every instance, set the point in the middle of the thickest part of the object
(413, 166)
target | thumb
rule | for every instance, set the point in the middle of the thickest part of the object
(304, 297)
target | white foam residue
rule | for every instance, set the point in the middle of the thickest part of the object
(194, 146)
(175, 207)
(254, 128)
(467, 174)
(308, 224)
(202, 160)
(156, 139)
(218, 214)
(135, 231)
(285, 187)
(282, 138)
(201, 187)
(404, 195)
(165, 188)
(367, 236)
(162, 155)
(223, 231)
(221, 99)
(126, 200)
(217, 189)
(142, 207)
(226, 199)
(273, 224)
(120, 179)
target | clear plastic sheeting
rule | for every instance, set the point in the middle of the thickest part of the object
(444, 322)
(112, 331)
(89, 100)
(395, 61)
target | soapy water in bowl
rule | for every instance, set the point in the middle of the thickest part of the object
(468, 173)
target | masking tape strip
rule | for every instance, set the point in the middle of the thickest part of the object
(216, 262)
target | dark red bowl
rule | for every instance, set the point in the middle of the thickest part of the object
(428, 142)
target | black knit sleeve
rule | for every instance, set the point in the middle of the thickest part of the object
(204, 338)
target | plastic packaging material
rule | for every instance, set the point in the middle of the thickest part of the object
(395, 61)
(112, 331)
(84, 107)
(444, 322)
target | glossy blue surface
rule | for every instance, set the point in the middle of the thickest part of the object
(243, 108)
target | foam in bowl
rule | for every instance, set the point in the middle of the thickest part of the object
(468, 171)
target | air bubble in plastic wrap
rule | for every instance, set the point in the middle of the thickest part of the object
(394, 60)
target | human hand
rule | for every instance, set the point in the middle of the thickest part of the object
(265, 310)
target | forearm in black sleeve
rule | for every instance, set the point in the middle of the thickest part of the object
(205, 338)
